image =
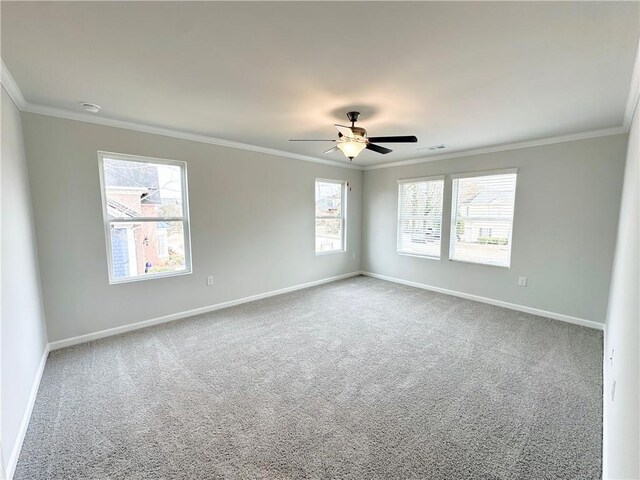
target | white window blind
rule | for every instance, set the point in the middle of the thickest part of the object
(330, 216)
(482, 218)
(420, 216)
(146, 217)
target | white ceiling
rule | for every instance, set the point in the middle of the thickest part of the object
(467, 75)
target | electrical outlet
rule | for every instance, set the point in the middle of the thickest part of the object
(522, 281)
(210, 280)
(613, 389)
(353, 255)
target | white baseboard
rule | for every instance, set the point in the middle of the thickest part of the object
(67, 342)
(490, 301)
(24, 424)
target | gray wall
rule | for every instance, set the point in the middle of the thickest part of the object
(621, 444)
(564, 232)
(23, 330)
(252, 225)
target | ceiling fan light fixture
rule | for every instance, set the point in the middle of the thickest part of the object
(352, 140)
(351, 149)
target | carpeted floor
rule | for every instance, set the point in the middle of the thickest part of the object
(355, 379)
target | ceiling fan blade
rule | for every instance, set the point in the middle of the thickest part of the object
(297, 140)
(378, 148)
(345, 131)
(400, 139)
(332, 149)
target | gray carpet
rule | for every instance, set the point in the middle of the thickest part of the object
(355, 379)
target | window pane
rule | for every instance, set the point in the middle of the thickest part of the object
(328, 199)
(144, 248)
(482, 219)
(140, 189)
(420, 217)
(328, 234)
(329, 216)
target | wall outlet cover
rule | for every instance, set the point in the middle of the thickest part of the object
(522, 281)
(210, 280)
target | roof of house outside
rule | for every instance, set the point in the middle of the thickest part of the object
(485, 198)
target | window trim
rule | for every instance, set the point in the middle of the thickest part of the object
(483, 173)
(107, 223)
(454, 208)
(343, 215)
(421, 179)
(402, 181)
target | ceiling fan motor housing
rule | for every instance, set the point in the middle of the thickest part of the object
(353, 116)
(359, 132)
(352, 140)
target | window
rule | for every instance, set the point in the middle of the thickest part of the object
(482, 217)
(145, 211)
(330, 216)
(484, 231)
(420, 216)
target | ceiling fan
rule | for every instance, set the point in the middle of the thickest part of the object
(352, 140)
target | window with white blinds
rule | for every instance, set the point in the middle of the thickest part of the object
(420, 216)
(330, 216)
(482, 217)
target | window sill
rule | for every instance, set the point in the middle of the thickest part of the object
(505, 267)
(152, 276)
(417, 255)
(329, 252)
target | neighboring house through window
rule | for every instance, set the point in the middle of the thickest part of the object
(485, 232)
(482, 217)
(330, 215)
(146, 217)
(163, 246)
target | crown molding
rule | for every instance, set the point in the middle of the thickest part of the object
(11, 87)
(167, 132)
(634, 91)
(507, 146)
(16, 95)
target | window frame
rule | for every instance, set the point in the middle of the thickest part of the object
(442, 206)
(343, 215)
(454, 211)
(102, 155)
